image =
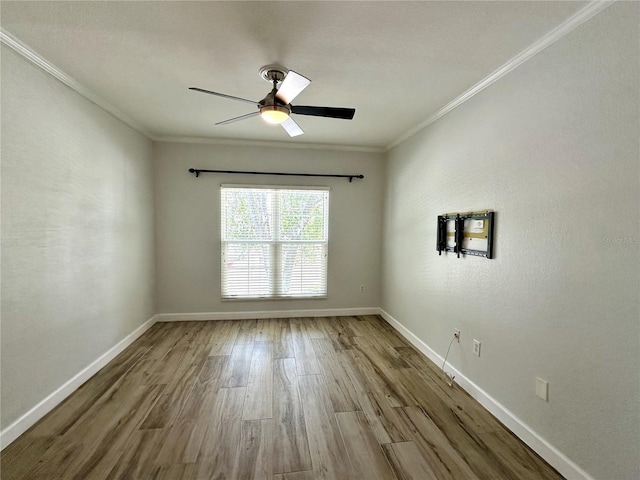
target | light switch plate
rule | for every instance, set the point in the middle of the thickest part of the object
(542, 389)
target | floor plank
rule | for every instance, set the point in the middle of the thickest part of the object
(184, 438)
(366, 454)
(180, 471)
(236, 373)
(517, 458)
(423, 373)
(139, 455)
(305, 475)
(283, 342)
(62, 418)
(247, 331)
(179, 387)
(20, 456)
(267, 330)
(223, 337)
(435, 448)
(291, 446)
(379, 380)
(220, 451)
(384, 419)
(100, 434)
(328, 454)
(258, 403)
(341, 390)
(407, 462)
(336, 330)
(379, 353)
(306, 361)
(255, 461)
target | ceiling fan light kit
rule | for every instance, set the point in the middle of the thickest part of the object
(276, 107)
(274, 114)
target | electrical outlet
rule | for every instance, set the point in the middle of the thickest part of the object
(476, 347)
(542, 389)
(456, 335)
(361, 288)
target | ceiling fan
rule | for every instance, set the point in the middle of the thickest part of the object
(276, 107)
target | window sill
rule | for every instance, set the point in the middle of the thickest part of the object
(260, 299)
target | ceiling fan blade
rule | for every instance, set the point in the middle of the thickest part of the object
(292, 128)
(237, 119)
(330, 112)
(223, 95)
(292, 85)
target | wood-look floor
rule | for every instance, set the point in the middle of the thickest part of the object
(279, 399)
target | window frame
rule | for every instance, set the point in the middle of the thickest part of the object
(275, 245)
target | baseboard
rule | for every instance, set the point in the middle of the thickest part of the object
(330, 312)
(21, 425)
(542, 447)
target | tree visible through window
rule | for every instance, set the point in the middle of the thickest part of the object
(274, 242)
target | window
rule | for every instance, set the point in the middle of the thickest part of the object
(274, 241)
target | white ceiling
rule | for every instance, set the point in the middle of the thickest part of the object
(395, 62)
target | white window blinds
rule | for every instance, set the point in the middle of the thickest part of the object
(274, 241)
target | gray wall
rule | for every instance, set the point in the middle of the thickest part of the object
(77, 234)
(188, 223)
(553, 148)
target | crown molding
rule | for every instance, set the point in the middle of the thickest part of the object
(38, 60)
(553, 36)
(34, 57)
(265, 143)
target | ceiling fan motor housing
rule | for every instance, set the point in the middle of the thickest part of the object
(271, 103)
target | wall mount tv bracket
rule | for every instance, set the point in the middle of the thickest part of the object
(467, 233)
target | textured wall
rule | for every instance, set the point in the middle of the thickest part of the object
(553, 148)
(188, 223)
(77, 234)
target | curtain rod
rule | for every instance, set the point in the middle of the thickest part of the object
(198, 171)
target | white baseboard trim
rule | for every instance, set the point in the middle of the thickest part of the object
(22, 424)
(542, 447)
(330, 312)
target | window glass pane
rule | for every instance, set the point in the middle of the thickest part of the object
(303, 269)
(247, 214)
(302, 215)
(246, 269)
